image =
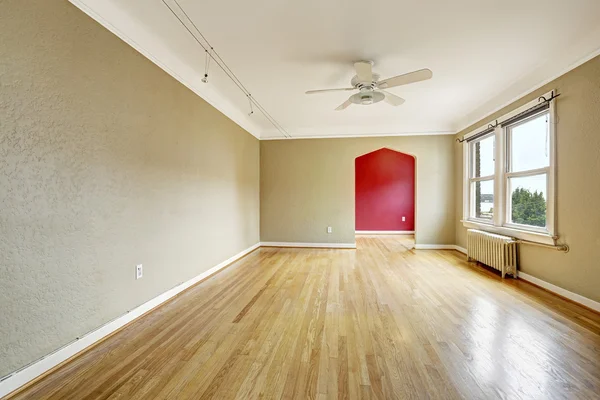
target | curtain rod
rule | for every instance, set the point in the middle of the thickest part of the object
(542, 100)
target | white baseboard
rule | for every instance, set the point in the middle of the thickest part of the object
(461, 249)
(310, 245)
(26, 374)
(385, 232)
(434, 247)
(589, 303)
(440, 247)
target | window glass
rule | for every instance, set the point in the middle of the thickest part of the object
(483, 157)
(529, 144)
(528, 200)
(484, 199)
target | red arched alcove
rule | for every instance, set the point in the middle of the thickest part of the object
(385, 191)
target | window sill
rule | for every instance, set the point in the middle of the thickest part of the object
(516, 233)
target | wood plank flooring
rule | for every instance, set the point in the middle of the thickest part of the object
(381, 322)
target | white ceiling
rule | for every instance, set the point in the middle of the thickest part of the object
(483, 55)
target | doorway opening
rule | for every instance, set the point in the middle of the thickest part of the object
(385, 193)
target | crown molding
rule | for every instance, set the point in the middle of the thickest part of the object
(213, 99)
(554, 68)
(474, 117)
(216, 100)
(366, 135)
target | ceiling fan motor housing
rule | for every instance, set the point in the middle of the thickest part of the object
(357, 83)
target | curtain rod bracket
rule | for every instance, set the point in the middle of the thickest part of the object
(490, 126)
(552, 97)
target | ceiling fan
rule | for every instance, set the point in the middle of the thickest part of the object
(370, 88)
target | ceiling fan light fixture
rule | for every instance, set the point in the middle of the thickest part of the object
(367, 97)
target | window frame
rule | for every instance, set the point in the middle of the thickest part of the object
(530, 172)
(501, 222)
(473, 179)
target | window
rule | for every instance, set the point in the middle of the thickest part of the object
(528, 166)
(481, 181)
(509, 175)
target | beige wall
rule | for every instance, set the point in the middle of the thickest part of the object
(105, 162)
(308, 184)
(578, 184)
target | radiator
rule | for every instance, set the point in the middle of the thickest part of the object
(496, 251)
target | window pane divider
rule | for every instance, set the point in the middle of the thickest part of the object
(531, 172)
(482, 178)
(499, 184)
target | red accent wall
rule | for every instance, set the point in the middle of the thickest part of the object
(385, 191)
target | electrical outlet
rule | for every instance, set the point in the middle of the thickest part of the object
(139, 272)
(403, 219)
(329, 230)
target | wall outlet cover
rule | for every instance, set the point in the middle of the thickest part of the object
(139, 271)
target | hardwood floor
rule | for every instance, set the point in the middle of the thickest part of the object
(380, 322)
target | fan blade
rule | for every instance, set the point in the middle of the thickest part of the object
(328, 90)
(411, 77)
(392, 99)
(344, 105)
(364, 71)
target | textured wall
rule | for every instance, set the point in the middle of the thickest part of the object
(578, 187)
(385, 191)
(308, 184)
(105, 162)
